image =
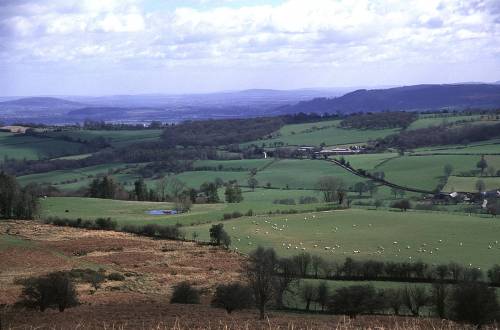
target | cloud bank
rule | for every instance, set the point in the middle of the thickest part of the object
(113, 46)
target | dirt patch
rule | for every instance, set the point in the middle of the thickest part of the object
(151, 266)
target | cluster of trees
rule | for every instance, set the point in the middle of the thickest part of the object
(233, 193)
(443, 135)
(220, 132)
(379, 120)
(102, 125)
(219, 236)
(333, 189)
(107, 187)
(17, 202)
(270, 277)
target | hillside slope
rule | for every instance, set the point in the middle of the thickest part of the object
(418, 97)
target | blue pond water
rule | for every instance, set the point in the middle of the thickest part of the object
(161, 212)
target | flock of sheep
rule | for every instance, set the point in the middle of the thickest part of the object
(395, 249)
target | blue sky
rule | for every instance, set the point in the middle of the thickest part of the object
(100, 47)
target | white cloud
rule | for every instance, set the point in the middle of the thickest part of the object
(321, 33)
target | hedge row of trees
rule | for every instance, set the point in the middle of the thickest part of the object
(149, 230)
(270, 277)
(443, 135)
(17, 202)
(305, 265)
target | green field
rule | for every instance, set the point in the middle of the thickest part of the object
(478, 148)
(260, 201)
(19, 146)
(327, 132)
(118, 138)
(74, 179)
(425, 172)
(425, 121)
(244, 164)
(302, 173)
(347, 231)
(459, 183)
(369, 161)
(367, 231)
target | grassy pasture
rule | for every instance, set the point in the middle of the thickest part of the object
(260, 201)
(117, 138)
(458, 183)
(302, 173)
(369, 161)
(482, 147)
(246, 164)
(16, 146)
(368, 230)
(327, 132)
(425, 121)
(424, 171)
(64, 179)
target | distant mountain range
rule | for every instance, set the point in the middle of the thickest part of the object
(408, 98)
(248, 103)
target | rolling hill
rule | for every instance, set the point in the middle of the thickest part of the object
(408, 98)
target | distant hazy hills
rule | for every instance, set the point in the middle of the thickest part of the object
(409, 98)
(41, 103)
(248, 103)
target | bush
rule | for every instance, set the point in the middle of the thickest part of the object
(184, 293)
(307, 200)
(116, 277)
(50, 291)
(105, 224)
(285, 201)
(232, 297)
(149, 230)
(403, 205)
(169, 232)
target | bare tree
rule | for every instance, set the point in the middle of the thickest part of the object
(287, 271)
(260, 272)
(331, 187)
(415, 298)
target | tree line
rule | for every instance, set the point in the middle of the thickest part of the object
(439, 135)
(17, 202)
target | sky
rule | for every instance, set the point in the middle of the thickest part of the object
(103, 47)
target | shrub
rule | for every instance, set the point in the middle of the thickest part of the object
(116, 277)
(307, 200)
(169, 232)
(184, 293)
(285, 201)
(403, 205)
(50, 291)
(231, 297)
(105, 224)
(149, 230)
